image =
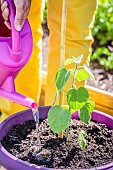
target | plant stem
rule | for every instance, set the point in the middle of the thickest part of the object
(55, 98)
(62, 49)
(73, 80)
(60, 135)
(67, 129)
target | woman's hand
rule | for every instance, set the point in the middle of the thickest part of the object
(22, 11)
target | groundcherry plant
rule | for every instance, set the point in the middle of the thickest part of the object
(59, 116)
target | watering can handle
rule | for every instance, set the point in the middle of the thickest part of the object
(15, 34)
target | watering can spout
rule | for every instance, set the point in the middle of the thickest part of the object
(18, 98)
(7, 91)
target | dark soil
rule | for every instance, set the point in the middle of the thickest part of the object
(103, 77)
(21, 141)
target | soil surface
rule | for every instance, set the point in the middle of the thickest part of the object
(21, 142)
(103, 78)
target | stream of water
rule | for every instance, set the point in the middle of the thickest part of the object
(36, 118)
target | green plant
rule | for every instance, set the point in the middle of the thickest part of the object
(104, 57)
(45, 11)
(59, 116)
(103, 26)
(102, 48)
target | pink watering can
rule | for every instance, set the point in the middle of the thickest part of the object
(15, 52)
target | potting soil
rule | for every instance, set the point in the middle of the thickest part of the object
(21, 142)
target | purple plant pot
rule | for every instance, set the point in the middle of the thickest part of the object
(10, 162)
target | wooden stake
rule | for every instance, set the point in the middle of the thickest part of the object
(63, 33)
(62, 48)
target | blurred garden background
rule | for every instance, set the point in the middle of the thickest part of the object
(102, 48)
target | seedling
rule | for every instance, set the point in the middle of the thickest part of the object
(59, 116)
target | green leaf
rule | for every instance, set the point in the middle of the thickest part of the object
(78, 59)
(87, 69)
(77, 98)
(59, 119)
(69, 61)
(86, 111)
(82, 75)
(82, 139)
(74, 60)
(61, 78)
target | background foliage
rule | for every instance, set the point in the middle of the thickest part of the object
(45, 10)
(102, 48)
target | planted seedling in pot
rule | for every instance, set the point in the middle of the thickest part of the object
(59, 116)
